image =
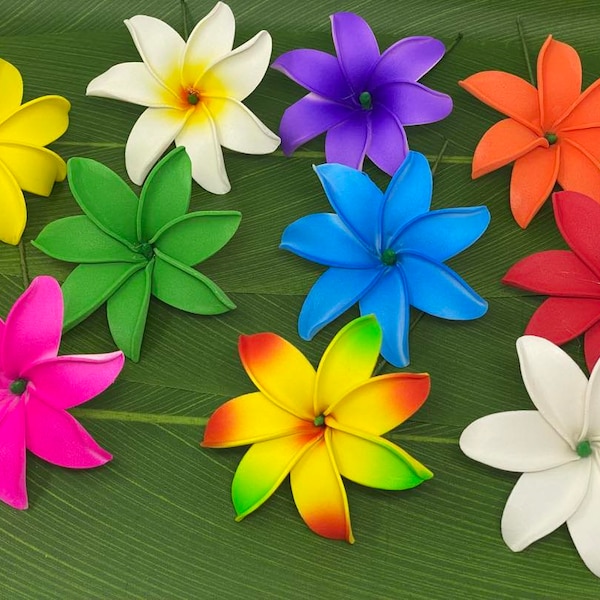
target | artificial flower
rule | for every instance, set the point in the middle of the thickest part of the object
(133, 249)
(556, 447)
(316, 426)
(386, 252)
(37, 387)
(552, 132)
(572, 279)
(361, 98)
(25, 164)
(194, 92)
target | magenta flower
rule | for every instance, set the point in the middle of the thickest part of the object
(361, 98)
(37, 386)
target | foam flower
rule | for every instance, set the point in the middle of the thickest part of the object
(361, 98)
(385, 251)
(37, 387)
(570, 278)
(133, 249)
(318, 425)
(552, 133)
(194, 92)
(556, 447)
(25, 163)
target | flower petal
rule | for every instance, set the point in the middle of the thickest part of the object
(583, 113)
(518, 440)
(541, 502)
(319, 493)
(591, 348)
(532, 180)
(13, 487)
(591, 428)
(12, 89)
(388, 146)
(249, 419)
(578, 171)
(346, 143)
(12, 208)
(587, 140)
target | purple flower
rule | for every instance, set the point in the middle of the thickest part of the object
(361, 98)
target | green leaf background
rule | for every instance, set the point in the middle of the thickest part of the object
(157, 522)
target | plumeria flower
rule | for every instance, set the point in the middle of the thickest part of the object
(386, 252)
(25, 164)
(552, 133)
(557, 447)
(37, 387)
(316, 426)
(194, 92)
(571, 279)
(361, 98)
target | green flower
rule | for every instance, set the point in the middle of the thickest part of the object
(132, 249)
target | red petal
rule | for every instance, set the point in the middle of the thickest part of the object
(591, 345)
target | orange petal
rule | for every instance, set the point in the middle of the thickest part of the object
(584, 112)
(588, 139)
(578, 171)
(533, 178)
(502, 143)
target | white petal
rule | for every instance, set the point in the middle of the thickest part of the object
(238, 74)
(210, 40)
(584, 525)
(556, 385)
(542, 501)
(153, 133)
(519, 440)
(199, 136)
(592, 403)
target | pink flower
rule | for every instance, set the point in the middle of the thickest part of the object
(37, 386)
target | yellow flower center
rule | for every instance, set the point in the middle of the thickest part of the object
(193, 97)
(319, 421)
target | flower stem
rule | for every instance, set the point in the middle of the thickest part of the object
(525, 51)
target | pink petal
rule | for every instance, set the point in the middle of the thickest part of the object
(591, 345)
(13, 489)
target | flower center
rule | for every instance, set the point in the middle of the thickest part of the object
(193, 97)
(18, 387)
(551, 137)
(389, 257)
(319, 421)
(366, 101)
(584, 448)
(146, 250)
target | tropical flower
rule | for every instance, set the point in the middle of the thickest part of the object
(557, 447)
(361, 98)
(134, 249)
(25, 164)
(194, 94)
(37, 386)
(316, 426)
(386, 252)
(552, 132)
(572, 279)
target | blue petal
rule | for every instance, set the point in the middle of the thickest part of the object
(442, 234)
(324, 239)
(408, 194)
(388, 301)
(331, 295)
(356, 199)
(438, 290)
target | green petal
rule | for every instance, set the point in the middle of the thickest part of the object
(77, 239)
(105, 198)
(166, 193)
(89, 286)
(127, 310)
(187, 289)
(196, 236)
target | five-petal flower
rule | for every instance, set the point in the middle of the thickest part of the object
(557, 447)
(133, 249)
(552, 132)
(37, 386)
(386, 252)
(194, 94)
(361, 98)
(316, 426)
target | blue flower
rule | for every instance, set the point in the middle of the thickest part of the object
(386, 252)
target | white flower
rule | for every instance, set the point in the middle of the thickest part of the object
(557, 447)
(193, 92)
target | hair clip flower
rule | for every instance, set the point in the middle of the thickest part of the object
(551, 133)
(316, 426)
(386, 252)
(557, 447)
(572, 279)
(134, 249)
(25, 164)
(361, 98)
(37, 387)
(194, 92)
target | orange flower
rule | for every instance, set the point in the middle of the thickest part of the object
(552, 133)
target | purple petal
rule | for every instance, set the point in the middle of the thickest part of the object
(13, 488)
(317, 71)
(347, 142)
(407, 60)
(356, 48)
(308, 118)
(413, 103)
(388, 147)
